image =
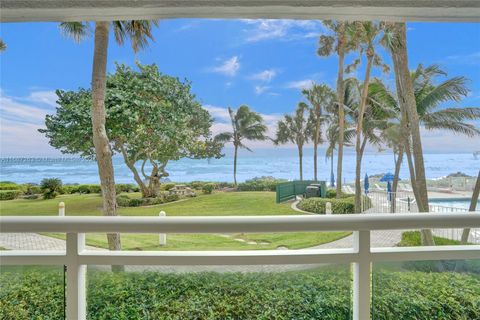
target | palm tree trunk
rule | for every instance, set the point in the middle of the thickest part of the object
(100, 139)
(315, 156)
(300, 158)
(398, 164)
(235, 165)
(363, 104)
(407, 100)
(473, 207)
(340, 100)
(331, 167)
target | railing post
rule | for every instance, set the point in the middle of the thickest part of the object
(61, 209)
(162, 238)
(361, 276)
(76, 278)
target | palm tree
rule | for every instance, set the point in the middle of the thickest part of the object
(365, 36)
(328, 44)
(246, 125)
(139, 32)
(296, 129)
(320, 98)
(3, 46)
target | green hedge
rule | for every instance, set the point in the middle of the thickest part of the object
(291, 295)
(339, 206)
(124, 200)
(260, 184)
(7, 185)
(9, 194)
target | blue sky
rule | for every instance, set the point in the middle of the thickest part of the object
(261, 63)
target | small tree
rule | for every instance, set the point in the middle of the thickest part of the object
(296, 129)
(152, 119)
(50, 187)
(246, 125)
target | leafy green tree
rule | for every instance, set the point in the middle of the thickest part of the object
(246, 125)
(320, 98)
(151, 119)
(139, 32)
(296, 129)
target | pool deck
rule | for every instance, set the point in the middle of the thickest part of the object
(449, 195)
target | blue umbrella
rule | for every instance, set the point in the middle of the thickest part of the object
(387, 177)
(332, 179)
(366, 183)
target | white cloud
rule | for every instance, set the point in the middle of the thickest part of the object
(300, 84)
(281, 29)
(260, 89)
(265, 75)
(228, 67)
(45, 97)
(468, 58)
(11, 109)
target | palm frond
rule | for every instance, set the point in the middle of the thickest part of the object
(74, 30)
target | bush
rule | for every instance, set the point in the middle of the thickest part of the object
(344, 205)
(126, 187)
(167, 186)
(89, 188)
(323, 294)
(260, 184)
(208, 188)
(31, 189)
(9, 194)
(70, 189)
(7, 185)
(31, 197)
(332, 193)
(124, 200)
(50, 187)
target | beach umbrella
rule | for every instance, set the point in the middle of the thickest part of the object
(332, 179)
(387, 177)
(366, 183)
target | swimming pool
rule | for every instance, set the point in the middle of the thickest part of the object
(463, 203)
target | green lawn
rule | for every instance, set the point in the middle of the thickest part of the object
(221, 203)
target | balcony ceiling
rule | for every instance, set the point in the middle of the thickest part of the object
(392, 10)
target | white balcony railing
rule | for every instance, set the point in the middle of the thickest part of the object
(362, 255)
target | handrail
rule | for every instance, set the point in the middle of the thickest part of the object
(362, 254)
(230, 224)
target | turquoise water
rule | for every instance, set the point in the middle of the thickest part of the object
(281, 163)
(452, 203)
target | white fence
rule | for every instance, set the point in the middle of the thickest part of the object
(362, 255)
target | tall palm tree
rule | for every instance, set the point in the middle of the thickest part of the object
(139, 33)
(296, 129)
(337, 42)
(366, 36)
(246, 125)
(320, 97)
(3, 46)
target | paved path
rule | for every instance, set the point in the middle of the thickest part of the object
(34, 241)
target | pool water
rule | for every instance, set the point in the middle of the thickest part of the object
(463, 203)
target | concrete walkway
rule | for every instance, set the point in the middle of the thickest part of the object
(34, 241)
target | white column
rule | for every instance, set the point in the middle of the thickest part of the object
(162, 238)
(361, 276)
(76, 278)
(61, 209)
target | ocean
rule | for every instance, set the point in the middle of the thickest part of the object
(280, 163)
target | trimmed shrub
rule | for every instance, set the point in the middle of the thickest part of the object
(314, 294)
(126, 187)
(9, 194)
(332, 193)
(208, 188)
(167, 186)
(50, 187)
(260, 184)
(31, 189)
(89, 188)
(318, 205)
(70, 189)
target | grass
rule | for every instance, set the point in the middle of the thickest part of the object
(413, 239)
(220, 203)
